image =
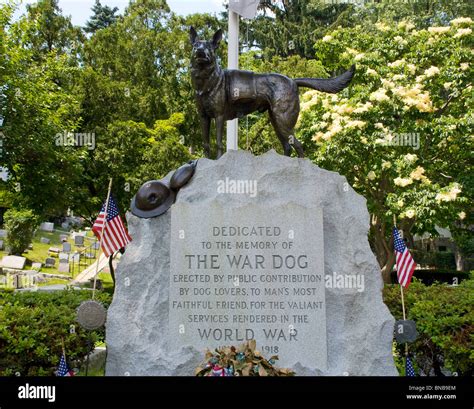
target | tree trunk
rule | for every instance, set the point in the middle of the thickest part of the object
(383, 249)
(459, 260)
(387, 268)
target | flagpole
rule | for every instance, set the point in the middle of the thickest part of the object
(102, 237)
(403, 300)
(232, 141)
(64, 349)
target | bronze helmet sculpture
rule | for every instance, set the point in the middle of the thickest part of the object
(155, 197)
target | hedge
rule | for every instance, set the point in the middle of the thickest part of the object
(429, 276)
(439, 259)
(32, 325)
(444, 319)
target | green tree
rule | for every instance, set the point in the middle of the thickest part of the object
(103, 17)
(37, 111)
(289, 27)
(48, 30)
(400, 132)
(20, 226)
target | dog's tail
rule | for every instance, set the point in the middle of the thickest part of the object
(331, 85)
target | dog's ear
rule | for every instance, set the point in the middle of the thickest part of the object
(217, 38)
(192, 35)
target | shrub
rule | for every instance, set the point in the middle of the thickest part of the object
(32, 326)
(20, 225)
(438, 259)
(444, 319)
(429, 276)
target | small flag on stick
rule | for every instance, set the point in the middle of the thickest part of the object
(115, 233)
(409, 370)
(63, 369)
(405, 263)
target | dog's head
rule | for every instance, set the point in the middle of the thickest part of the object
(204, 52)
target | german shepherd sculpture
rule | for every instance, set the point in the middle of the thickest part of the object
(228, 94)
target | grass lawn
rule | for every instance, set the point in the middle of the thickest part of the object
(107, 282)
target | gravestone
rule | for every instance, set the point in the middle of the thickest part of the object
(46, 226)
(63, 257)
(76, 257)
(2, 245)
(45, 240)
(79, 240)
(15, 262)
(36, 266)
(63, 237)
(54, 250)
(66, 247)
(49, 262)
(282, 257)
(63, 267)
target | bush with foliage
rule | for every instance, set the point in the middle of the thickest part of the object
(444, 319)
(400, 132)
(244, 360)
(33, 325)
(20, 226)
(439, 259)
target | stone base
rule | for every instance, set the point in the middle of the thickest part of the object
(359, 325)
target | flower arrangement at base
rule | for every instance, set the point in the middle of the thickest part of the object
(244, 360)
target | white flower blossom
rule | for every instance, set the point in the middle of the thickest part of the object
(397, 63)
(382, 26)
(449, 196)
(410, 158)
(461, 20)
(402, 182)
(363, 108)
(432, 71)
(438, 30)
(400, 40)
(380, 95)
(462, 32)
(411, 68)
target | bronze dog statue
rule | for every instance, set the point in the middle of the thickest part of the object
(228, 94)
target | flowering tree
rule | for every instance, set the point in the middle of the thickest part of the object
(402, 133)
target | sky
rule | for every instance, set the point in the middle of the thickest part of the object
(80, 10)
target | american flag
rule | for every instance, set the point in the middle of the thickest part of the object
(409, 370)
(63, 369)
(405, 263)
(115, 233)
